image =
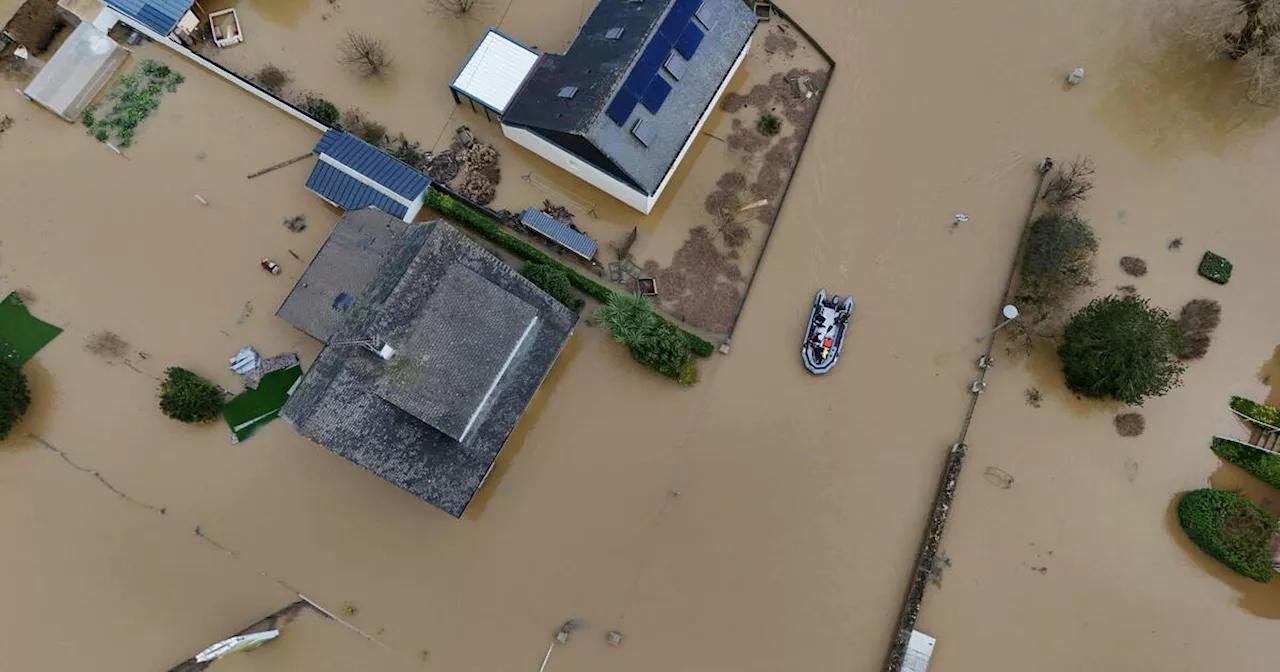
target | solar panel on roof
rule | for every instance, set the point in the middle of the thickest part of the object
(656, 94)
(689, 40)
(567, 92)
(614, 33)
(620, 109)
(677, 18)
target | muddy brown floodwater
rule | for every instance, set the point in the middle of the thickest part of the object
(765, 519)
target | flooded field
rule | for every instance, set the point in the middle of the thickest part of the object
(765, 519)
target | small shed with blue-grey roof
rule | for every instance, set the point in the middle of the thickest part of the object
(158, 15)
(352, 174)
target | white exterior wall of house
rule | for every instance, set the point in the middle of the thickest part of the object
(579, 168)
(604, 181)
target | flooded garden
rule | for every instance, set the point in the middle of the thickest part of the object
(764, 505)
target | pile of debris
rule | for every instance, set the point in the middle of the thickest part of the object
(481, 174)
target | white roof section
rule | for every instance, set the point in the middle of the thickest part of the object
(77, 72)
(494, 71)
(919, 651)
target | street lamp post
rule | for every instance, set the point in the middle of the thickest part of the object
(1010, 313)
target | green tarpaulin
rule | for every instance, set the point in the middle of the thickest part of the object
(21, 335)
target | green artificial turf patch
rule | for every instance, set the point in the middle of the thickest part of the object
(21, 335)
(252, 409)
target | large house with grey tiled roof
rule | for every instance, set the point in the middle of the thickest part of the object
(433, 349)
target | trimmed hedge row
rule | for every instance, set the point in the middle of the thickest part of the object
(1232, 529)
(554, 282)
(1257, 411)
(1215, 268)
(493, 232)
(1262, 465)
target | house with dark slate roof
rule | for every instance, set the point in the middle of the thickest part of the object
(623, 104)
(433, 350)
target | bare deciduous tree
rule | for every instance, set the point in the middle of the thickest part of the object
(457, 8)
(272, 78)
(1070, 184)
(1246, 31)
(366, 55)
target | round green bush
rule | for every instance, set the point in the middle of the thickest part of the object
(187, 397)
(769, 124)
(15, 397)
(321, 110)
(553, 281)
(1232, 529)
(1121, 347)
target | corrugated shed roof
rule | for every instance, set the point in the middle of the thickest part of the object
(158, 15)
(578, 243)
(494, 71)
(373, 163)
(349, 193)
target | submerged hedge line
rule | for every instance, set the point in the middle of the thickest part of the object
(1261, 465)
(1232, 529)
(493, 232)
(1253, 409)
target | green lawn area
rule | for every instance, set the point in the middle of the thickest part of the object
(21, 335)
(252, 409)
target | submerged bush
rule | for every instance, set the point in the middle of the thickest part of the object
(1057, 262)
(1197, 321)
(768, 124)
(319, 109)
(187, 397)
(1232, 529)
(272, 78)
(651, 340)
(553, 281)
(1260, 412)
(15, 397)
(1215, 268)
(1123, 348)
(1260, 464)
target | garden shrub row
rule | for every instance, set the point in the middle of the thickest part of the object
(1260, 464)
(1232, 529)
(554, 282)
(1253, 409)
(493, 232)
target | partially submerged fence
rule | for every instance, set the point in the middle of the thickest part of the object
(951, 472)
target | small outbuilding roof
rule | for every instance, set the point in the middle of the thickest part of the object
(353, 175)
(77, 72)
(158, 15)
(494, 71)
(434, 348)
(560, 233)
